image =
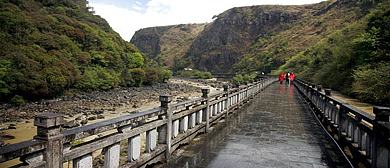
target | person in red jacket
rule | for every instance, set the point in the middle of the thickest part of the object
(281, 77)
(292, 77)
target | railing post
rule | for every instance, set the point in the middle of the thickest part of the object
(48, 129)
(206, 114)
(226, 90)
(165, 132)
(381, 154)
(328, 92)
(319, 87)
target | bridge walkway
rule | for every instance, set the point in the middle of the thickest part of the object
(276, 129)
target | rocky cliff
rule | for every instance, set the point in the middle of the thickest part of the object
(165, 43)
(254, 38)
(230, 36)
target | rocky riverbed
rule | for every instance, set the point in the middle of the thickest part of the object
(81, 109)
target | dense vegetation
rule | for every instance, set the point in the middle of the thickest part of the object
(239, 79)
(195, 74)
(48, 48)
(355, 60)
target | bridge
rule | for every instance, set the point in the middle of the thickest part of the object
(261, 124)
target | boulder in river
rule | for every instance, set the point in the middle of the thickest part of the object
(100, 116)
(80, 118)
(83, 122)
(92, 118)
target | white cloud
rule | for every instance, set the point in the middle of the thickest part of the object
(136, 7)
(139, 3)
(169, 12)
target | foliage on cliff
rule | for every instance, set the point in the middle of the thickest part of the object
(354, 60)
(49, 47)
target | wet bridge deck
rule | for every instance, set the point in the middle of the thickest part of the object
(276, 129)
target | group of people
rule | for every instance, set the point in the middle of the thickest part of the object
(289, 77)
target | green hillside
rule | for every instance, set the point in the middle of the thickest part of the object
(354, 60)
(50, 47)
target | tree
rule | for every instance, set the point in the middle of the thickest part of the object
(138, 76)
(164, 75)
(151, 76)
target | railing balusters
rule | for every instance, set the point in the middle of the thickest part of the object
(111, 156)
(352, 126)
(151, 140)
(175, 128)
(183, 124)
(192, 120)
(83, 161)
(199, 116)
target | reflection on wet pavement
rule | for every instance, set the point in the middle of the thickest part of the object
(275, 130)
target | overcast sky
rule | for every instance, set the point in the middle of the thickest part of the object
(128, 16)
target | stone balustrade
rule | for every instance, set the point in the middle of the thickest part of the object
(165, 128)
(365, 136)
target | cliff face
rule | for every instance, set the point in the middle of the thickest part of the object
(165, 43)
(230, 36)
(247, 39)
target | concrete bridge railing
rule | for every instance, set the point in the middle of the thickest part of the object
(366, 136)
(149, 136)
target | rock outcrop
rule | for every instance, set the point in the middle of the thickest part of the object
(247, 39)
(164, 43)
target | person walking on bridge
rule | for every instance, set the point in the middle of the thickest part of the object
(287, 77)
(292, 77)
(281, 77)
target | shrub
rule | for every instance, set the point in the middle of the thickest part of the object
(372, 83)
(17, 100)
(126, 78)
(237, 79)
(151, 76)
(196, 74)
(138, 76)
(164, 74)
(208, 75)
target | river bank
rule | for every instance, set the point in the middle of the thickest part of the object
(16, 124)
